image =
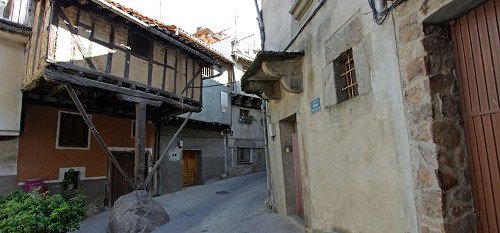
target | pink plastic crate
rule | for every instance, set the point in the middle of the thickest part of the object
(31, 184)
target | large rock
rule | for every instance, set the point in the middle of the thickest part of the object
(137, 212)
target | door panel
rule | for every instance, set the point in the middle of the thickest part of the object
(189, 168)
(299, 205)
(476, 44)
(119, 185)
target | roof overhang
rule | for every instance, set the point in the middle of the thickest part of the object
(273, 71)
(152, 29)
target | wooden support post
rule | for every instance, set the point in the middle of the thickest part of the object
(140, 136)
(96, 134)
(140, 144)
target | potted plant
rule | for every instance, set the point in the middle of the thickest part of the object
(247, 119)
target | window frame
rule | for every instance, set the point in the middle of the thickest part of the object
(250, 150)
(244, 110)
(58, 130)
(132, 129)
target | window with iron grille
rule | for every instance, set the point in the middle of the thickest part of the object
(207, 72)
(345, 77)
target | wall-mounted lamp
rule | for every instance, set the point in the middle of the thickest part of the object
(380, 9)
(181, 144)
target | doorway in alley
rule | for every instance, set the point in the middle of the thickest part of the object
(290, 152)
(190, 167)
(119, 185)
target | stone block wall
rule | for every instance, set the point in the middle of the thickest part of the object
(9, 148)
(434, 120)
(239, 169)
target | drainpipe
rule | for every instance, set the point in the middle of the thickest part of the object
(260, 21)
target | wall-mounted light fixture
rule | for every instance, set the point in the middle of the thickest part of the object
(380, 9)
(181, 144)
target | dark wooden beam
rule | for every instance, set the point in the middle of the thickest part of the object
(175, 71)
(140, 145)
(109, 60)
(150, 62)
(186, 74)
(164, 68)
(139, 100)
(190, 83)
(96, 134)
(54, 91)
(194, 77)
(85, 82)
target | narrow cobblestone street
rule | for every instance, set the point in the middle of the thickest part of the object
(202, 209)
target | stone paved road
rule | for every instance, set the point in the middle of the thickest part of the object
(201, 209)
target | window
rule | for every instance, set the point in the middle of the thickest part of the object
(16, 11)
(139, 45)
(345, 77)
(72, 131)
(224, 101)
(207, 71)
(244, 113)
(244, 155)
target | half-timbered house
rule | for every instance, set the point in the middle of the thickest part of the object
(98, 78)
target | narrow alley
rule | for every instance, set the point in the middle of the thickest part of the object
(208, 208)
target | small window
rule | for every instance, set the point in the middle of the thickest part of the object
(224, 101)
(244, 113)
(139, 45)
(244, 155)
(73, 132)
(207, 71)
(345, 77)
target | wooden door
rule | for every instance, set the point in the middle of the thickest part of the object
(476, 45)
(189, 168)
(299, 204)
(119, 185)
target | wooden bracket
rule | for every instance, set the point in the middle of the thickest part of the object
(139, 100)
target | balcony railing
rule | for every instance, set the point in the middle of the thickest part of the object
(16, 11)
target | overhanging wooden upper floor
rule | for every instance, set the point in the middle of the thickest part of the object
(92, 44)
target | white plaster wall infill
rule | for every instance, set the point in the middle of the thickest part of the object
(11, 65)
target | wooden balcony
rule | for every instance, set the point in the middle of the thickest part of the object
(103, 53)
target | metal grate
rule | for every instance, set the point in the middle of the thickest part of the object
(350, 77)
(207, 71)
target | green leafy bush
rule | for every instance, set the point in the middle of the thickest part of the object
(34, 212)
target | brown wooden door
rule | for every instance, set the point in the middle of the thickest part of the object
(189, 168)
(477, 53)
(299, 204)
(119, 185)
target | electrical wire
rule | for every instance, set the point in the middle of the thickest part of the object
(380, 17)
